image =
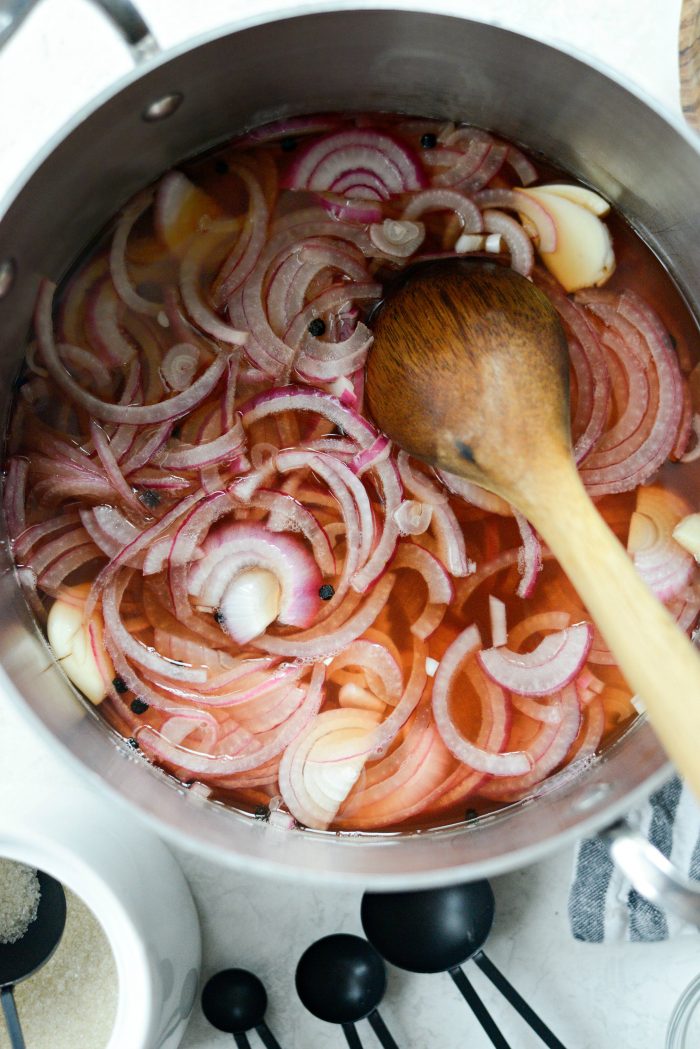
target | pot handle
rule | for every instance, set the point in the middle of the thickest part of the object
(122, 13)
(651, 873)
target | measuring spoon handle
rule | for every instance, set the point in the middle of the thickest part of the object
(519, 1004)
(478, 1008)
(9, 1007)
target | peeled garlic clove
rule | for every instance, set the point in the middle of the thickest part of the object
(79, 648)
(584, 255)
(687, 534)
(352, 695)
(250, 603)
(585, 198)
(397, 237)
(179, 208)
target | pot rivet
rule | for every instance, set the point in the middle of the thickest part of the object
(163, 107)
(8, 272)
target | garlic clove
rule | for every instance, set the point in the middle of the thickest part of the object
(584, 255)
(250, 603)
(352, 695)
(179, 209)
(687, 534)
(79, 648)
(585, 198)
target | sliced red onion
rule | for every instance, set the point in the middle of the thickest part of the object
(135, 650)
(224, 763)
(377, 662)
(222, 449)
(385, 733)
(241, 261)
(639, 456)
(362, 163)
(529, 558)
(102, 325)
(370, 457)
(446, 200)
(440, 590)
(499, 627)
(519, 245)
(108, 528)
(464, 647)
(179, 366)
(389, 485)
(550, 713)
(53, 576)
(29, 537)
(291, 515)
(413, 517)
(397, 238)
(549, 668)
(231, 548)
(141, 415)
(117, 256)
(523, 168)
(548, 750)
(450, 541)
(111, 467)
(321, 642)
(511, 199)
(47, 553)
(351, 495)
(474, 494)
(363, 212)
(663, 563)
(418, 483)
(198, 309)
(14, 495)
(290, 127)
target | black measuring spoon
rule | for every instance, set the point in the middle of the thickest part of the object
(437, 930)
(235, 1001)
(20, 960)
(341, 979)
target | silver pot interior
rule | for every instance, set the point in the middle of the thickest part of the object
(408, 61)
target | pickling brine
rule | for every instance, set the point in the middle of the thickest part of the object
(256, 589)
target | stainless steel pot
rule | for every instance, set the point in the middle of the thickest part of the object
(176, 104)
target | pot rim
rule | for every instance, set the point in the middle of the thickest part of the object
(219, 854)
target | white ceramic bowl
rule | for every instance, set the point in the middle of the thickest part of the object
(137, 892)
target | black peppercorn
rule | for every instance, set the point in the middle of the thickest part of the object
(262, 812)
(133, 743)
(326, 592)
(429, 140)
(218, 616)
(471, 814)
(220, 167)
(317, 327)
(288, 144)
(149, 498)
(120, 685)
(138, 706)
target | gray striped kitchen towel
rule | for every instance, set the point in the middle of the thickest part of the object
(603, 906)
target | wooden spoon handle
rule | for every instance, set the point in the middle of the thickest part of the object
(689, 61)
(659, 662)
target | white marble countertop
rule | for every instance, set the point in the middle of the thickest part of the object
(611, 997)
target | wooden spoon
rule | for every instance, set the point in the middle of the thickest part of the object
(470, 372)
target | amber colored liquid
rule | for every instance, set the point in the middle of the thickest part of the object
(486, 534)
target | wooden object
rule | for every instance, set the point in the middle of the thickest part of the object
(689, 61)
(469, 372)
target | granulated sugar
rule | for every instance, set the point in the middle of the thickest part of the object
(19, 899)
(71, 1003)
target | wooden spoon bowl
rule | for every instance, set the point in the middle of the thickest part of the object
(469, 372)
